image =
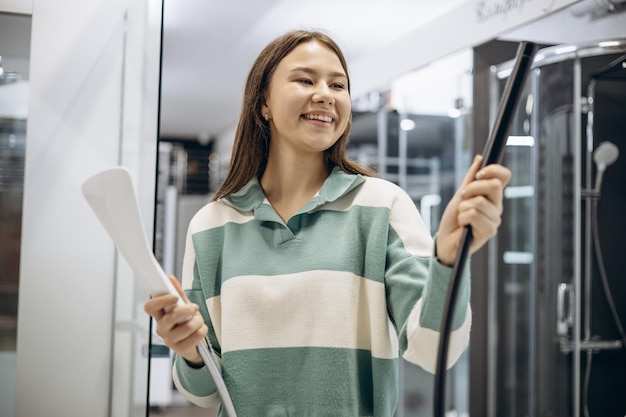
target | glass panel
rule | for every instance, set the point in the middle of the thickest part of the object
(555, 252)
(14, 65)
(540, 153)
(427, 152)
(139, 137)
(12, 150)
(513, 304)
(185, 182)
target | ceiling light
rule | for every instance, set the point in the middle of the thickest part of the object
(454, 112)
(520, 141)
(407, 124)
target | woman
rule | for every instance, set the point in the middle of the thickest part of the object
(306, 275)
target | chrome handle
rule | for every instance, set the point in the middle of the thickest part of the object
(564, 309)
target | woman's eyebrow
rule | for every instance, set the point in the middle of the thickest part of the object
(312, 71)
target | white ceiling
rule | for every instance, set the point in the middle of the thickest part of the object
(209, 45)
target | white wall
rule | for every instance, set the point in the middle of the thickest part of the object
(82, 117)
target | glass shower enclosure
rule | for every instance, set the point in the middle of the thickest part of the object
(558, 345)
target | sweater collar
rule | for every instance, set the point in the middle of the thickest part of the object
(250, 197)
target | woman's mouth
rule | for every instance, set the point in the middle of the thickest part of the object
(321, 117)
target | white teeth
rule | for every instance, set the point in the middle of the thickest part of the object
(327, 119)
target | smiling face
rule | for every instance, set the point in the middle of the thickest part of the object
(307, 101)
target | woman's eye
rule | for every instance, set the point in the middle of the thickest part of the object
(338, 86)
(305, 81)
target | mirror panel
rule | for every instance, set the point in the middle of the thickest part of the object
(429, 158)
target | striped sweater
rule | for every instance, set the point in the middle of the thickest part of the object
(309, 316)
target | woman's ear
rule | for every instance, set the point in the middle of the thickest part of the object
(265, 111)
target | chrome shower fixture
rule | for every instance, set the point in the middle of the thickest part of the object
(605, 154)
(8, 77)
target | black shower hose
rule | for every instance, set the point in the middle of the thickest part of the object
(494, 150)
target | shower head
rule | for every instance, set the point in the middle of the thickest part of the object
(605, 154)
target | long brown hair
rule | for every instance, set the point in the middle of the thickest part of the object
(252, 138)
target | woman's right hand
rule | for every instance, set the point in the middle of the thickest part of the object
(180, 326)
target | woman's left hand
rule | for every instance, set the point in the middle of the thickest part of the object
(477, 203)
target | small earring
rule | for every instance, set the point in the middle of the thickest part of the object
(266, 117)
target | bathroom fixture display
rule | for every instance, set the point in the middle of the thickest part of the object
(605, 154)
(554, 315)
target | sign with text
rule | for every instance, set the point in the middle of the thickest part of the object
(471, 23)
(486, 10)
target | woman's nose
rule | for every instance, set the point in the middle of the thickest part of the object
(323, 94)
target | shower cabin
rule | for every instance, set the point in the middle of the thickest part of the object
(557, 288)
